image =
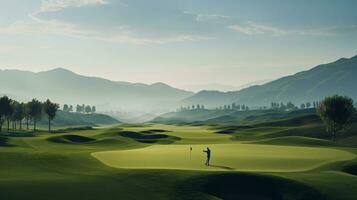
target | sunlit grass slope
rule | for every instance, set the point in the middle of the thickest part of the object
(241, 157)
(152, 161)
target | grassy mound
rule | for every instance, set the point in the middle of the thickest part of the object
(294, 141)
(71, 139)
(249, 186)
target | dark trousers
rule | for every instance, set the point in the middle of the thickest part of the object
(207, 161)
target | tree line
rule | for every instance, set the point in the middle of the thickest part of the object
(80, 108)
(192, 107)
(15, 113)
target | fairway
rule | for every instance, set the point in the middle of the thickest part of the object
(240, 157)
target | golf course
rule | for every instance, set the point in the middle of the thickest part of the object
(155, 161)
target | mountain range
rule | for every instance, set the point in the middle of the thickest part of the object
(338, 77)
(64, 86)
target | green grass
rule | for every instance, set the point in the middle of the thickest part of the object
(76, 164)
(239, 157)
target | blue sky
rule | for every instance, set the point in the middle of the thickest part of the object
(182, 42)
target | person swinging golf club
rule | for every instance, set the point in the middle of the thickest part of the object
(208, 153)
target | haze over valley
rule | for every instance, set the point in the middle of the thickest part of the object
(178, 100)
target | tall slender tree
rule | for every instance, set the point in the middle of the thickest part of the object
(18, 114)
(5, 108)
(35, 111)
(9, 113)
(27, 114)
(50, 109)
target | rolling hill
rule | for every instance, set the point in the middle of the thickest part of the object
(72, 119)
(327, 79)
(64, 86)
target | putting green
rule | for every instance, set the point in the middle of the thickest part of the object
(242, 157)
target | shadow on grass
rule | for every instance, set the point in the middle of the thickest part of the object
(4, 142)
(149, 136)
(237, 185)
(222, 167)
(68, 139)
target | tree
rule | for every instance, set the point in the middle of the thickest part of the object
(35, 111)
(308, 105)
(87, 109)
(302, 106)
(94, 109)
(70, 108)
(5, 108)
(9, 113)
(78, 108)
(65, 108)
(50, 109)
(335, 112)
(19, 113)
(27, 114)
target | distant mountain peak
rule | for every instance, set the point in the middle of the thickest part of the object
(59, 70)
(161, 85)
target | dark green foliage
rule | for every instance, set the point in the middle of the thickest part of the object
(336, 111)
(5, 110)
(19, 113)
(65, 108)
(35, 111)
(50, 109)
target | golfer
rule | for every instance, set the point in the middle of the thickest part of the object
(208, 152)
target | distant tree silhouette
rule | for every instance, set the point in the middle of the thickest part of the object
(94, 109)
(5, 109)
(302, 106)
(27, 114)
(9, 114)
(65, 108)
(70, 109)
(336, 112)
(50, 109)
(308, 105)
(290, 106)
(87, 109)
(35, 111)
(18, 114)
(78, 108)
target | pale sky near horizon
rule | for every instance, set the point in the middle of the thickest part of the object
(181, 42)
